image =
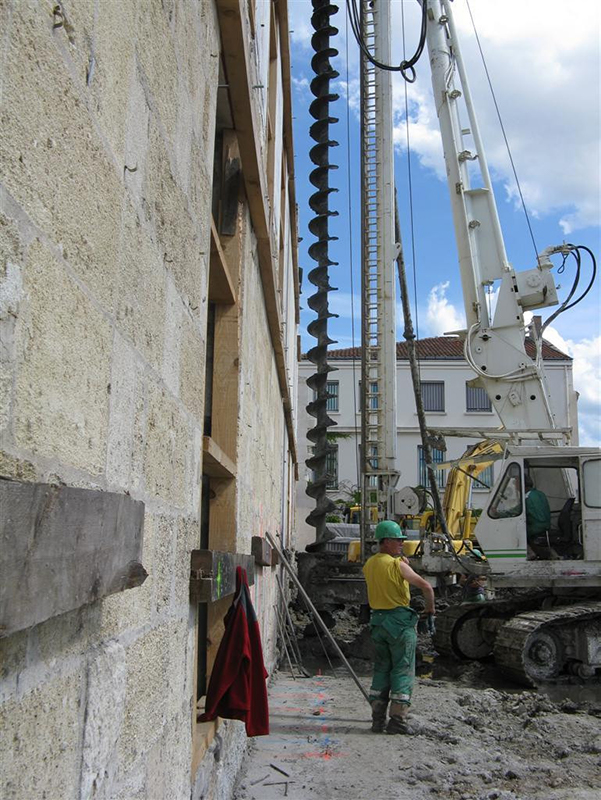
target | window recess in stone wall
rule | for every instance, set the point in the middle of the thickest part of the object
(212, 566)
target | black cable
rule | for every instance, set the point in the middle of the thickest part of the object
(406, 67)
(566, 305)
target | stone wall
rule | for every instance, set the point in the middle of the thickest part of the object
(108, 114)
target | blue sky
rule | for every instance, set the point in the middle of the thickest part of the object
(543, 59)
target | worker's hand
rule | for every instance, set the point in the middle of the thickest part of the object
(428, 616)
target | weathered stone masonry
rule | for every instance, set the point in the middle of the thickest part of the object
(108, 118)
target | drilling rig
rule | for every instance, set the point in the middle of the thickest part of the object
(552, 632)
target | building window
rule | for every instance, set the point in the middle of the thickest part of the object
(332, 387)
(332, 401)
(437, 458)
(332, 468)
(433, 395)
(485, 477)
(374, 399)
(476, 399)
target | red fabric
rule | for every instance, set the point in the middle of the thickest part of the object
(237, 687)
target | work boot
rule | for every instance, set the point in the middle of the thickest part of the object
(379, 706)
(399, 714)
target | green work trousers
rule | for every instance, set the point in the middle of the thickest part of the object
(394, 635)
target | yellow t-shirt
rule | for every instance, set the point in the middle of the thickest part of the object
(386, 587)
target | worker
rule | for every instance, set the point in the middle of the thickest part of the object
(538, 517)
(393, 628)
(473, 589)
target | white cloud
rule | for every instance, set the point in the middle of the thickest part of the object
(587, 382)
(442, 316)
(543, 59)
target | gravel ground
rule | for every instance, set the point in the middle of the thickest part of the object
(467, 742)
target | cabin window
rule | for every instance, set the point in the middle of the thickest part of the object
(507, 502)
(591, 473)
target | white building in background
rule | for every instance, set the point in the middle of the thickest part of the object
(449, 403)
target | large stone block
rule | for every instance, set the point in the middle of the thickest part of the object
(132, 610)
(173, 336)
(192, 368)
(74, 34)
(200, 189)
(168, 764)
(141, 300)
(166, 529)
(145, 707)
(110, 72)
(136, 139)
(40, 742)
(168, 438)
(103, 721)
(63, 381)
(188, 539)
(156, 55)
(166, 207)
(52, 159)
(13, 659)
(126, 384)
(11, 292)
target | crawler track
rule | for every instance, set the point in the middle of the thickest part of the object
(535, 646)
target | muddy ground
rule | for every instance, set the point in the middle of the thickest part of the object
(467, 742)
(473, 735)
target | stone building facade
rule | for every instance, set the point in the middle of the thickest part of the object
(148, 314)
(449, 402)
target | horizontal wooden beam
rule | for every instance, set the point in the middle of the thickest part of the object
(214, 461)
(262, 551)
(62, 548)
(213, 574)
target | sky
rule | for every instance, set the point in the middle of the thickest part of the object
(543, 61)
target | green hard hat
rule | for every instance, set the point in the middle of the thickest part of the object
(387, 529)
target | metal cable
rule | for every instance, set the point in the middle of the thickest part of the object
(492, 91)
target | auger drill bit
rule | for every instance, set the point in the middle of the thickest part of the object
(319, 276)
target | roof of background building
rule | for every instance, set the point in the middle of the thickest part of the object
(445, 348)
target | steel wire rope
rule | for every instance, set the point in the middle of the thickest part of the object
(410, 187)
(351, 263)
(498, 110)
(430, 471)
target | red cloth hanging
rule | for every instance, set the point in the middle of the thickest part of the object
(237, 688)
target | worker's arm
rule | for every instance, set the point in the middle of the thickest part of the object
(416, 580)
